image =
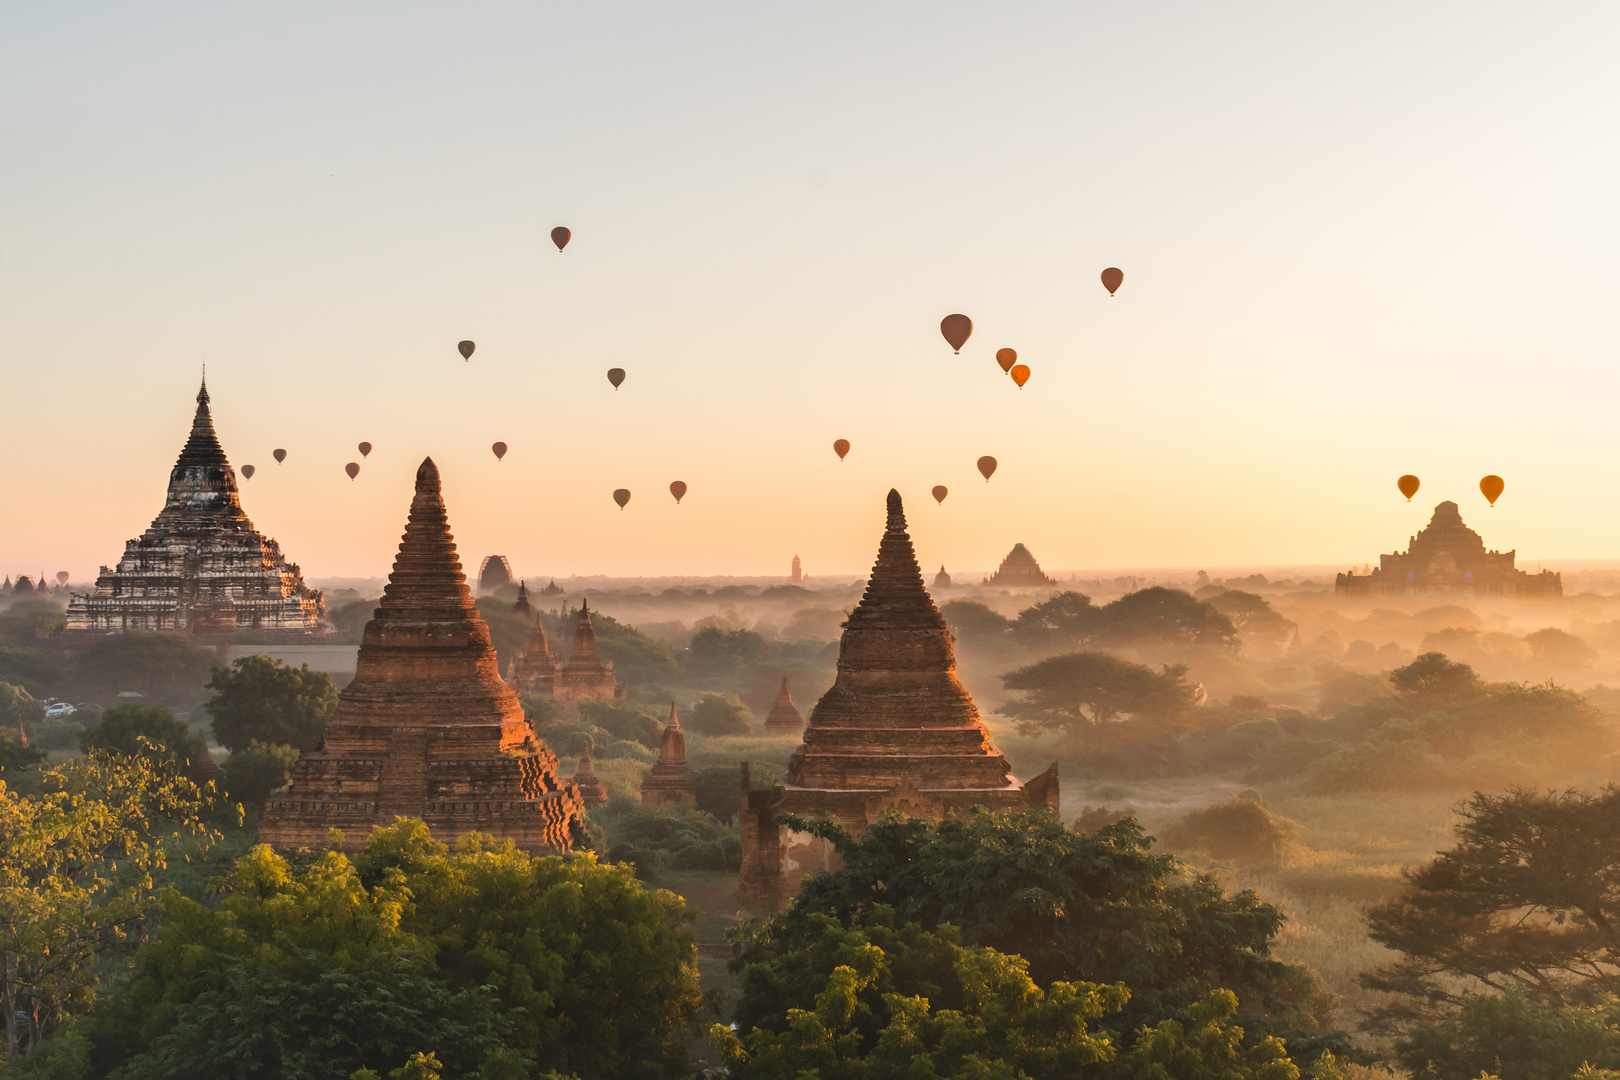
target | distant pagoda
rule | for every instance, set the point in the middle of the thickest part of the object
(534, 670)
(521, 606)
(586, 676)
(1019, 570)
(591, 791)
(1448, 556)
(427, 729)
(942, 580)
(494, 572)
(784, 717)
(201, 568)
(669, 780)
(897, 731)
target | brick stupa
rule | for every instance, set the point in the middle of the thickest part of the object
(427, 729)
(591, 791)
(669, 780)
(897, 731)
(784, 717)
(1019, 570)
(535, 668)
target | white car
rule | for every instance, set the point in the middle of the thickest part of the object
(59, 710)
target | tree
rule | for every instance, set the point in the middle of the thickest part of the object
(1086, 907)
(1067, 617)
(714, 651)
(1529, 897)
(1252, 616)
(1513, 1035)
(259, 699)
(143, 731)
(971, 620)
(1085, 690)
(1558, 649)
(472, 954)
(167, 668)
(1433, 683)
(257, 769)
(76, 877)
(721, 714)
(18, 707)
(669, 837)
(632, 723)
(1163, 616)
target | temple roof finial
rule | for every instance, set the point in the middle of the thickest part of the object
(427, 477)
(897, 512)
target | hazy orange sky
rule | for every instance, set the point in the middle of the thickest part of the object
(1357, 241)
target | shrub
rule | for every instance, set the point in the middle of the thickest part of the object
(1240, 829)
(258, 769)
(721, 714)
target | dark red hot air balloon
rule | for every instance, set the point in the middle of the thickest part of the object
(987, 466)
(616, 376)
(499, 450)
(840, 447)
(365, 449)
(940, 491)
(1112, 279)
(678, 489)
(957, 329)
(560, 236)
(466, 349)
(1006, 358)
(621, 496)
(352, 469)
(279, 455)
(247, 472)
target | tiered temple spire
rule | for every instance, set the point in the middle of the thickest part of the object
(669, 780)
(784, 717)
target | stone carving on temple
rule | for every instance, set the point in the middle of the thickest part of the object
(669, 780)
(591, 791)
(784, 717)
(494, 572)
(427, 729)
(1019, 570)
(896, 731)
(201, 568)
(942, 580)
(1448, 557)
(521, 606)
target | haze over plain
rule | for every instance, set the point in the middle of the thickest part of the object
(1356, 244)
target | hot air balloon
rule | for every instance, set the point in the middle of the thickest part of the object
(1112, 279)
(1006, 358)
(957, 329)
(678, 489)
(499, 450)
(840, 447)
(352, 469)
(987, 466)
(466, 349)
(62, 577)
(365, 449)
(560, 236)
(1408, 485)
(1020, 374)
(279, 455)
(1491, 487)
(621, 496)
(615, 376)
(247, 472)
(940, 491)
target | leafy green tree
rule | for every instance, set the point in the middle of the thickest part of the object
(351, 618)
(721, 714)
(1085, 690)
(167, 668)
(718, 790)
(1079, 907)
(717, 652)
(260, 699)
(257, 769)
(1515, 1037)
(1530, 896)
(471, 954)
(143, 731)
(32, 669)
(1559, 649)
(632, 723)
(669, 837)
(17, 708)
(1433, 683)
(971, 620)
(77, 866)
(1066, 618)
(1252, 616)
(1162, 616)
(27, 620)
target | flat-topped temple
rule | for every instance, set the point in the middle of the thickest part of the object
(1448, 556)
(202, 568)
(897, 731)
(427, 729)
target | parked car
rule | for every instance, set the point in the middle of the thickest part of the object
(59, 710)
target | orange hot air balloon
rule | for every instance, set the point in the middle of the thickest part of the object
(840, 447)
(957, 329)
(279, 455)
(365, 449)
(1112, 279)
(247, 472)
(615, 376)
(987, 466)
(560, 236)
(466, 349)
(1006, 358)
(940, 491)
(1491, 487)
(1408, 485)
(499, 449)
(621, 496)
(678, 489)
(352, 469)
(1020, 374)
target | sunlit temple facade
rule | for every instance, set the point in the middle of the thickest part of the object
(1448, 556)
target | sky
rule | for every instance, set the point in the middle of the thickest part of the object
(1358, 241)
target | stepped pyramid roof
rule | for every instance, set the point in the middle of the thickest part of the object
(784, 717)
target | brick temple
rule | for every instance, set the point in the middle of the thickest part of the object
(897, 731)
(784, 717)
(1018, 570)
(670, 780)
(427, 729)
(202, 568)
(1448, 556)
